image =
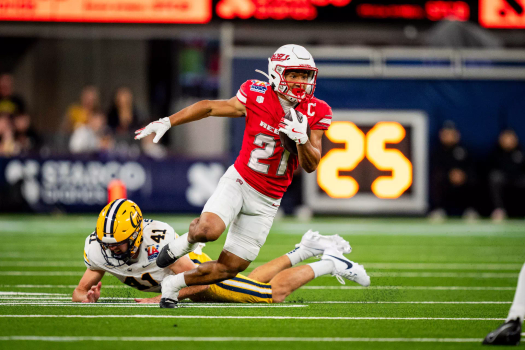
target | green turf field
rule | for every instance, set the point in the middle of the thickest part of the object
(434, 286)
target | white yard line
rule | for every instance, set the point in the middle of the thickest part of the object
(392, 266)
(354, 227)
(11, 294)
(242, 339)
(55, 286)
(408, 302)
(130, 302)
(372, 274)
(390, 274)
(410, 288)
(444, 266)
(25, 263)
(41, 273)
(136, 305)
(452, 288)
(443, 274)
(261, 317)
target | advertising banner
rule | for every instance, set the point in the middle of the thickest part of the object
(80, 185)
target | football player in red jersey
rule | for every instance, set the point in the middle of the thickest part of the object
(249, 193)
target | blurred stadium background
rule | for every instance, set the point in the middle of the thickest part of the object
(434, 89)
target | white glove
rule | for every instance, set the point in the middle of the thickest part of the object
(159, 127)
(295, 129)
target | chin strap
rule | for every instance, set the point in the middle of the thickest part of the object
(263, 73)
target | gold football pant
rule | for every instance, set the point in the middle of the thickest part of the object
(239, 289)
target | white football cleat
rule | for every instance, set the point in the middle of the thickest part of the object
(170, 293)
(345, 268)
(317, 243)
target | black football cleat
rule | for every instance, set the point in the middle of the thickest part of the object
(167, 303)
(508, 333)
(165, 257)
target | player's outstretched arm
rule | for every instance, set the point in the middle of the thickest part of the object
(219, 108)
(88, 289)
(310, 153)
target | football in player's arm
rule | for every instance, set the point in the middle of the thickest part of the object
(126, 246)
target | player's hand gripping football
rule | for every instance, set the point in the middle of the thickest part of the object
(159, 127)
(296, 128)
(93, 294)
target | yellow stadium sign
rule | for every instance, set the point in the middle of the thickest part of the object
(114, 11)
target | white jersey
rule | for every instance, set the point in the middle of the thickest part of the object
(143, 274)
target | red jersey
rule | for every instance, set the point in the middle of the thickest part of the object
(263, 162)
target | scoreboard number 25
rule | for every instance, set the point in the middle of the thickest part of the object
(372, 161)
(357, 147)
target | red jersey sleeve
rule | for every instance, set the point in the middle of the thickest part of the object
(242, 94)
(322, 117)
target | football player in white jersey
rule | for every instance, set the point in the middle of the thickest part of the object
(126, 245)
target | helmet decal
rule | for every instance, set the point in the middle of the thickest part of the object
(110, 216)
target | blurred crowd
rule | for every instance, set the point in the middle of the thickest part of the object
(87, 127)
(460, 185)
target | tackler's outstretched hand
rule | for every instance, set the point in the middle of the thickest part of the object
(93, 294)
(159, 127)
(296, 129)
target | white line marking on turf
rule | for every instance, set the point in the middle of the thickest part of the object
(41, 273)
(443, 274)
(42, 264)
(372, 274)
(411, 287)
(392, 228)
(60, 301)
(408, 302)
(444, 266)
(392, 266)
(134, 305)
(121, 286)
(244, 339)
(261, 317)
(29, 294)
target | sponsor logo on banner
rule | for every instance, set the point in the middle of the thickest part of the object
(72, 182)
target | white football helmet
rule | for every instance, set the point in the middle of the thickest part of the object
(292, 57)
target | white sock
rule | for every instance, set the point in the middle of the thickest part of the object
(517, 310)
(181, 246)
(171, 285)
(323, 267)
(299, 254)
